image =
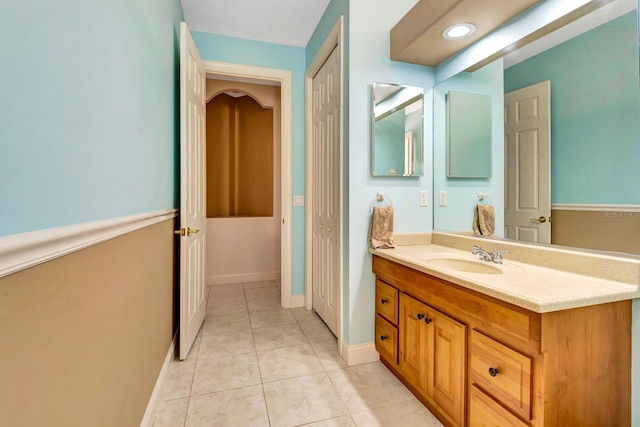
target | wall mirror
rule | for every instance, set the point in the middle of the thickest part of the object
(397, 130)
(468, 135)
(591, 66)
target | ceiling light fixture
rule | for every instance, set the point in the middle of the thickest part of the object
(459, 31)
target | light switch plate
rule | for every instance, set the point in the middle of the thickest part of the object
(423, 198)
(443, 198)
(298, 200)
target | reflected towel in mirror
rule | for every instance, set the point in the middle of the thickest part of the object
(381, 228)
(484, 220)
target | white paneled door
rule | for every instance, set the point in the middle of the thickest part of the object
(325, 175)
(527, 133)
(192, 192)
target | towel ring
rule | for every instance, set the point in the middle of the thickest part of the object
(484, 199)
(381, 200)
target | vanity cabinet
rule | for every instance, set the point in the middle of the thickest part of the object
(475, 360)
(432, 355)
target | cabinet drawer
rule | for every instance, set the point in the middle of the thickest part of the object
(386, 340)
(484, 412)
(387, 301)
(502, 373)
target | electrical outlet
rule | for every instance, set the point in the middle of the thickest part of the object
(423, 198)
(443, 198)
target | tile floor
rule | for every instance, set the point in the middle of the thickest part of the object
(256, 364)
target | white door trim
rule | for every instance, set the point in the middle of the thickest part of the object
(333, 40)
(285, 78)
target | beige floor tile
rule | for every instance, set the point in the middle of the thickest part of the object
(327, 352)
(263, 319)
(343, 421)
(367, 386)
(229, 296)
(278, 336)
(408, 413)
(288, 362)
(259, 293)
(177, 382)
(259, 284)
(222, 289)
(239, 407)
(171, 413)
(226, 344)
(303, 315)
(226, 307)
(316, 330)
(269, 303)
(226, 323)
(315, 399)
(225, 373)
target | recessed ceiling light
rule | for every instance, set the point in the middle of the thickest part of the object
(459, 31)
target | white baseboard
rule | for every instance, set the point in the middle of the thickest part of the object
(296, 301)
(242, 278)
(154, 400)
(359, 353)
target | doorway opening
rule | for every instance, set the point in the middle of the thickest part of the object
(271, 90)
(243, 182)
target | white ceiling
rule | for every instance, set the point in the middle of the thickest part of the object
(288, 22)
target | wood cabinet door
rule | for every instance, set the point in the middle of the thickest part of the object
(446, 351)
(413, 346)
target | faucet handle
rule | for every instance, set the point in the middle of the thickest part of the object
(497, 258)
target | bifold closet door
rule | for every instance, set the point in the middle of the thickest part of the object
(326, 192)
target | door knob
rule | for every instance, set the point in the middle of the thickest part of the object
(186, 232)
(541, 220)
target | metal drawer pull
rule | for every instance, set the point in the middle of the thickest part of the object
(383, 337)
(420, 316)
(493, 371)
(427, 320)
(383, 301)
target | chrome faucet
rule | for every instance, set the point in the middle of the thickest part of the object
(489, 256)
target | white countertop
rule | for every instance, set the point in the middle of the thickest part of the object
(535, 288)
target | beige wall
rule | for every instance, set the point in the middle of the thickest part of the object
(84, 337)
(611, 231)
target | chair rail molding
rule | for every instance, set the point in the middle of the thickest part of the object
(25, 250)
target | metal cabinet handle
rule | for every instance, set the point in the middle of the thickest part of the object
(420, 316)
(493, 371)
(383, 337)
(383, 301)
(428, 320)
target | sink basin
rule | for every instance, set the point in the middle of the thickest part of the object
(464, 265)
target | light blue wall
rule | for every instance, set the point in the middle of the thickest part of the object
(462, 194)
(370, 23)
(595, 113)
(89, 111)
(215, 47)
